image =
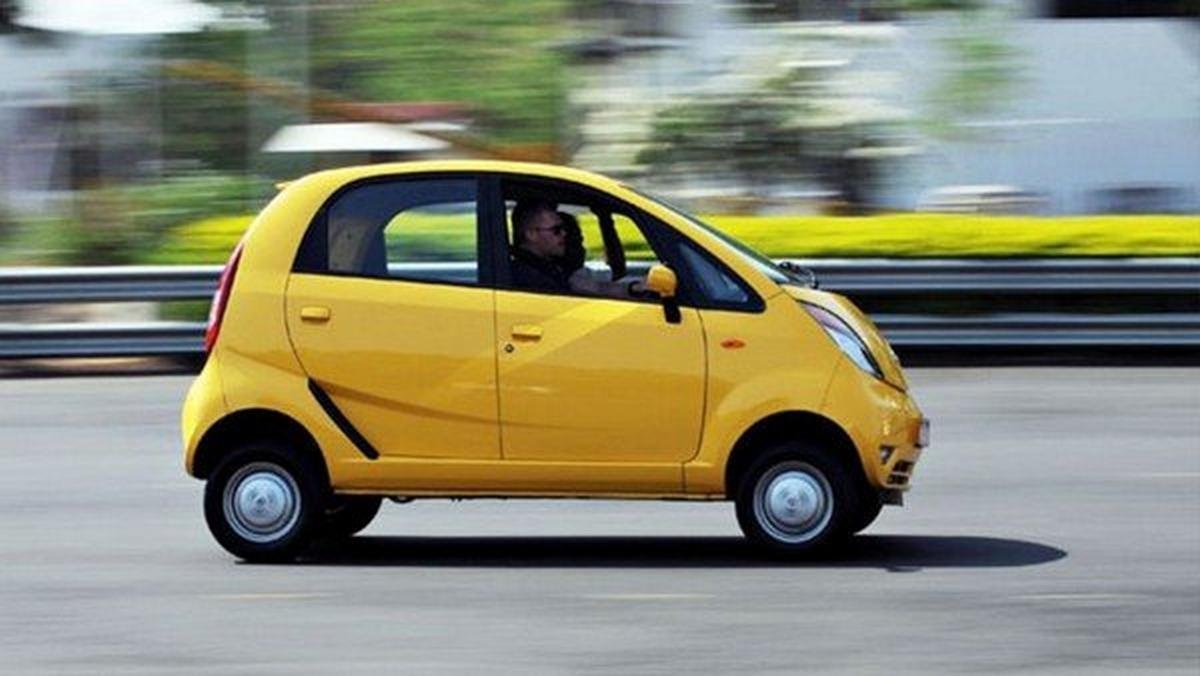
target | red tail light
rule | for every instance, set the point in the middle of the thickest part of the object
(216, 313)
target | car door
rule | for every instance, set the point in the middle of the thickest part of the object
(596, 393)
(402, 349)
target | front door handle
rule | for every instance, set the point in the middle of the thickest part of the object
(315, 313)
(527, 332)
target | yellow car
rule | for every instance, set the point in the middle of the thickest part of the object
(377, 333)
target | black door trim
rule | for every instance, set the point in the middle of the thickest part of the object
(343, 423)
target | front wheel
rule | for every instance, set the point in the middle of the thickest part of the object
(796, 499)
(262, 503)
(868, 510)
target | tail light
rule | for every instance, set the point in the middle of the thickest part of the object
(216, 313)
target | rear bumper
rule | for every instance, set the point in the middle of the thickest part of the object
(204, 405)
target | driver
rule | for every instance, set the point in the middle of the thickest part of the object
(541, 260)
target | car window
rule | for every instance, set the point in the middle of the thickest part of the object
(610, 260)
(424, 229)
(633, 241)
(717, 286)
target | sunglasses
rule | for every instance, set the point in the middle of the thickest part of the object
(556, 229)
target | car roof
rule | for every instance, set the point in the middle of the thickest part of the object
(344, 175)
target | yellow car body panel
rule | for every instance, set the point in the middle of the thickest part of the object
(413, 365)
(453, 385)
(783, 365)
(605, 381)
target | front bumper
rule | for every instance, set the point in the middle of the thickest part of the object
(887, 428)
(898, 461)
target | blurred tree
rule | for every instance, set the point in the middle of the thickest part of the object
(207, 124)
(789, 130)
(979, 71)
(496, 56)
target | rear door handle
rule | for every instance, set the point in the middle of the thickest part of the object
(527, 332)
(315, 313)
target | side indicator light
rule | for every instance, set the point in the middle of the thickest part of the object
(733, 343)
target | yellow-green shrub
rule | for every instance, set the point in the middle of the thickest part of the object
(900, 235)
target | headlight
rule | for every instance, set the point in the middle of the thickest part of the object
(845, 338)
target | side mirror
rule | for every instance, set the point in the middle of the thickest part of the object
(661, 280)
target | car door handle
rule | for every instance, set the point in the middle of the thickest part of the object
(315, 313)
(527, 332)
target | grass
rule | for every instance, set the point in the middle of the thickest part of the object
(892, 236)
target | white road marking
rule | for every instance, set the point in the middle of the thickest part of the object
(647, 597)
(1077, 597)
(270, 596)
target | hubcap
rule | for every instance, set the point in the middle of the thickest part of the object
(793, 502)
(262, 502)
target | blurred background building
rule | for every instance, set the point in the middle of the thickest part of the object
(129, 117)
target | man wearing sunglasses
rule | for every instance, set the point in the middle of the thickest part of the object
(540, 234)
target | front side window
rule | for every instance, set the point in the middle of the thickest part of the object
(569, 240)
(418, 229)
(716, 286)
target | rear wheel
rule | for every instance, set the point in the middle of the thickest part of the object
(347, 515)
(796, 499)
(262, 502)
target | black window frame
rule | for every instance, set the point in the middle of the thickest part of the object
(492, 240)
(312, 257)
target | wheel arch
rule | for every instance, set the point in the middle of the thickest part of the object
(255, 424)
(791, 426)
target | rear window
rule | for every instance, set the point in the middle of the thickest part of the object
(417, 229)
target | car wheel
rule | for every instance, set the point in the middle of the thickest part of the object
(796, 499)
(869, 507)
(348, 515)
(261, 503)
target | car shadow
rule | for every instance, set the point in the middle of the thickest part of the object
(897, 553)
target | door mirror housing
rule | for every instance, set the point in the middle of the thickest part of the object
(661, 280)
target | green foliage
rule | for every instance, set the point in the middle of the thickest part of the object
(772, 135)
(496, 56)
(892, 236)
(209, 240)
(127, 224)
(957, 235)
(749, 136)
(980, 71)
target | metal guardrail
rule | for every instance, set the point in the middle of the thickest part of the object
(849, 276)
(23, 286)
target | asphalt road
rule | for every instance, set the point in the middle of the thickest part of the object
(1054, 527)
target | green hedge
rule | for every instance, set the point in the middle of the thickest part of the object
(892, 236)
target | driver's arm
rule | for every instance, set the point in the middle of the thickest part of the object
(581, 281)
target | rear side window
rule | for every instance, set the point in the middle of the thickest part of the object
(416, 229)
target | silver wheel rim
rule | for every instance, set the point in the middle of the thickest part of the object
(793, 502)
(261, 502)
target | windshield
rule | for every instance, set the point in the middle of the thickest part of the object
(759, 261)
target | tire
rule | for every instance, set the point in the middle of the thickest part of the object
(347, 515)
(262, 503)
(869, 507)
(796, 499)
